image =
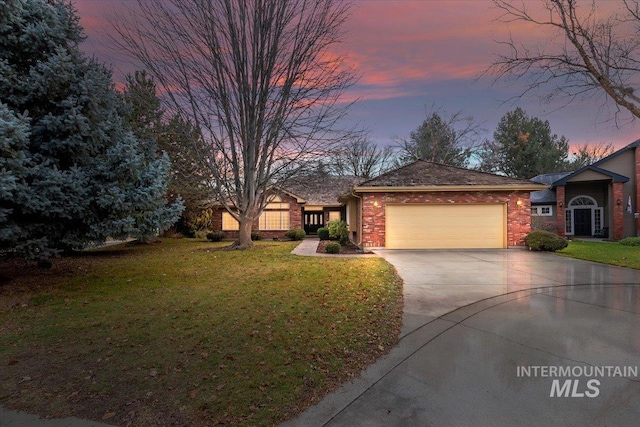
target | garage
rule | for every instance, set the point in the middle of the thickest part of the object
(446, 226)
(426, 205)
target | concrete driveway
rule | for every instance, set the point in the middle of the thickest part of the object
(501, 337)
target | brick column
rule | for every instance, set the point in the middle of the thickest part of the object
(373, 221)
(560, 215)
(618, 211)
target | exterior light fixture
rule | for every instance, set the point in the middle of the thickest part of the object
(561, 204)
(519, 202)
(618, 202)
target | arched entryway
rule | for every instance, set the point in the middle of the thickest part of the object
(583, 216)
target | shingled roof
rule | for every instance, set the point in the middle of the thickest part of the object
(428, 174)
(322, 189)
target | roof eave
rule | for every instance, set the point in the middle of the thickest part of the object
(433, 188)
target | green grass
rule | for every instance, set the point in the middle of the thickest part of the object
(605, 252)
(181, 333)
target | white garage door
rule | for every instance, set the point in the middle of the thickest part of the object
(454, 226)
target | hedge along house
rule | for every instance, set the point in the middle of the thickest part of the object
(307, 202)
(427, 205)
(600, 199)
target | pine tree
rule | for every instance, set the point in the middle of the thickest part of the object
(524, 147)
(191, 178)
(88, 176)
(441, 138)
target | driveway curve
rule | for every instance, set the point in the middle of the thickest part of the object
(501, 337)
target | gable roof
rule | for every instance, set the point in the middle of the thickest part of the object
(615, 177)
(321, 189)
(624, 149)
(595, 167)
(550, 178)
(430, 176)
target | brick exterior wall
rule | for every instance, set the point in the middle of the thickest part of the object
(618, 211)
(295, 220)
(560, 212)
(373, 211)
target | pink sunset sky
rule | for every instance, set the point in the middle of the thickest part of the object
(415, 54)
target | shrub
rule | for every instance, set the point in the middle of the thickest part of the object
(256, 235)
(630, 241)
(339, 230)
(202, 234)
(295, 234)
(323, 233)
(332, 248)
(541, 240)
(215, 236)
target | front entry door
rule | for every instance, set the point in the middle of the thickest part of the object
(582, 222)
(313, 221)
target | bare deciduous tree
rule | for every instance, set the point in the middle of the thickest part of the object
(260, 79)
(586, 154)
(585, 54)
(361, 157)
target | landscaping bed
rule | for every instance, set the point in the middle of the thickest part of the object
(349, 249)
(178, 333)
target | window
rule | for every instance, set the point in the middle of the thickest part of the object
(568, 221)
(583, 201)
(334, 215)
(229, 223)
(541, 210)
(277, 205)
(274, 220)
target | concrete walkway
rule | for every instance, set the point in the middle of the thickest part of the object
(461, 367)
(309, 246)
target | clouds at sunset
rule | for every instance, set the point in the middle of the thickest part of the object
(412, 54)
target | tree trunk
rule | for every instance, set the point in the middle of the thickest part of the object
(244, 235)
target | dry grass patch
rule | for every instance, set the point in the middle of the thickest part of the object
(178, 333)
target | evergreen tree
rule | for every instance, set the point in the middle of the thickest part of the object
(179, 139)
(524, 147)
(86, 176)
(441, 139)
(191, 178)
(14, 168)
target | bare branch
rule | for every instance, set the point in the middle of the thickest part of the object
(261, 79)
(584, 55)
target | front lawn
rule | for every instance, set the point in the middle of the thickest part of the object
(182, 333)
(605, 252)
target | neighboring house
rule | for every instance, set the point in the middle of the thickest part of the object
(308, 202)
(427, 205)
(599, 199)
(543, 203)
